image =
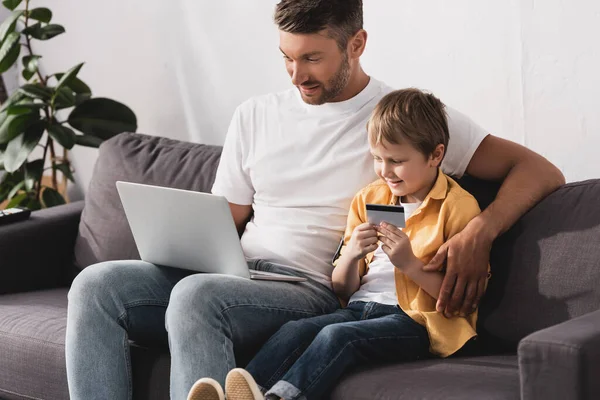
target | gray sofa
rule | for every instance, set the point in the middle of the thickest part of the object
(539, 321)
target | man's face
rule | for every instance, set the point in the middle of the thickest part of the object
(317, 66)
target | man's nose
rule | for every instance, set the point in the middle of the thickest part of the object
(298, 74)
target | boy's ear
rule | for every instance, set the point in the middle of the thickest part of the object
(437, 156)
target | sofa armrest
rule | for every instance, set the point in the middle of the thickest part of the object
(37, 253)
(563, 361)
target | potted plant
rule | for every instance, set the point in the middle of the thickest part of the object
(45, 111)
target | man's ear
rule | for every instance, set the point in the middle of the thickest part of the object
(356, 44)
(437, 156)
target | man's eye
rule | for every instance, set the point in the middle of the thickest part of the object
(313, 59)
(397, 161)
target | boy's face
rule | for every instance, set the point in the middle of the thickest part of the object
(317, 66)
(406, 170)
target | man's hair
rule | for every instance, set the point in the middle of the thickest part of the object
(409, 116)
(342, 18)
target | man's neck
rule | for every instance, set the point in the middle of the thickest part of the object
(356, 84)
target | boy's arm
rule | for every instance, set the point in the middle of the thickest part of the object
(346, 278)
(346, 275)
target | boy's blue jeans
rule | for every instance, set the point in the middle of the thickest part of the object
(305, 358)
(207, 317)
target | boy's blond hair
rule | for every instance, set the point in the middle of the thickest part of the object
(409, 116)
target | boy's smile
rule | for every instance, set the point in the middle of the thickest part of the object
(409, 174)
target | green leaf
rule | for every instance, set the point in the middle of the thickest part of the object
(63, 135)
(34, 170)
(68, 76)
(15, 97)
(51, 197)
(14, 125)
(27, 75)
(9, 24)
(33, 204)
(9, 51)
(37, 31)
(17, 200)
(15, 189)
(103, 118)
(42, 14)
(20, 147)
(11, 4)
(66, 170)
(64, 98)
(30, 66)
(24, 108)
(78, 86)
(36, 91)
(88, 141)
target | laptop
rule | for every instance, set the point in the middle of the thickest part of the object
(188, 230)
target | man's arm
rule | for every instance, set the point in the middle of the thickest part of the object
(241, 215)
(527, 178)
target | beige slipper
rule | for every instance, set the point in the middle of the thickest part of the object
(206, 389)
(239, 385)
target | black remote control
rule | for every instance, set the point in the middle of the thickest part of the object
(14, 214)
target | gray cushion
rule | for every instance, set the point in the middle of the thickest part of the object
(32, 351)
(546, 269)
(492, 377)
(104, 233)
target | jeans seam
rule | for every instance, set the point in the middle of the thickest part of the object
(344, 348)
(283, 366)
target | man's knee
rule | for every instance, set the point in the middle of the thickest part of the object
(192, 299)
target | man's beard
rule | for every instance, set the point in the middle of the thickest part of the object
(334, 86)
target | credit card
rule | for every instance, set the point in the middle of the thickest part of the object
(377, 213)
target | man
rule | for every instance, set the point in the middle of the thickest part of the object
(291, 163)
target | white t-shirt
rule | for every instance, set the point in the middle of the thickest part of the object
(300, 165)
(379, 284)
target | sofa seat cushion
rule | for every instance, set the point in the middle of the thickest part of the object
(489, 377)
(32, 345)
(104, 232)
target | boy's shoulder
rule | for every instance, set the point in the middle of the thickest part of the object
(457, 196)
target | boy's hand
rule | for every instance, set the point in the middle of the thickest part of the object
(363, 241)
(396, 245)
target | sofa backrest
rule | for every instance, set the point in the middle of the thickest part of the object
(104, 232)
(546, 268)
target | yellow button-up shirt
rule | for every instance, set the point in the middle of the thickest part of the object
(445, 212)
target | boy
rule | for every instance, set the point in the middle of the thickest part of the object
(391, 312)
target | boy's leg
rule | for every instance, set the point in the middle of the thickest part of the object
(211, 315)
(110, 303)
(384, 334)
(282, 350)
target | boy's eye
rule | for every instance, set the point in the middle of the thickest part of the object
(397, 161)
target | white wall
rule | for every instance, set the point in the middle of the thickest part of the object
(525, 70)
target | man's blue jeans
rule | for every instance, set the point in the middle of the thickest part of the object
(207, 317)
(305, 358)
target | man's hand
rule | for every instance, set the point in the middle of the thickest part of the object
(467, 256)
(396, 245)
(363, 241)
